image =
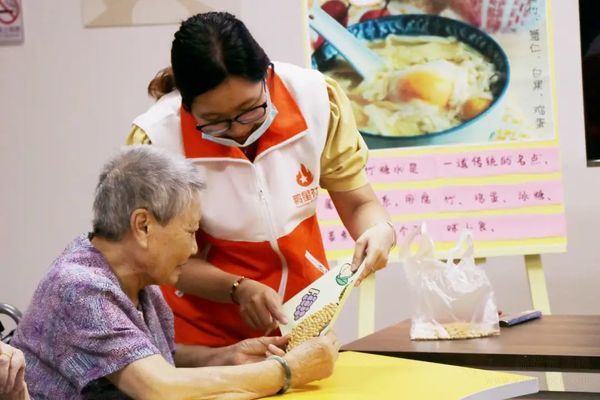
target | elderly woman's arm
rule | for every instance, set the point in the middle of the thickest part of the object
(244, 352)
(153, 378)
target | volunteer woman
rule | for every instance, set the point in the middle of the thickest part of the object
(267, 136)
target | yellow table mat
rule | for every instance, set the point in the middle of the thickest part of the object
(367, 376)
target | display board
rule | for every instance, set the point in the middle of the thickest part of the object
(460, 122)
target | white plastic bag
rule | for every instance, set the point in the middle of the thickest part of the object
(450, 301)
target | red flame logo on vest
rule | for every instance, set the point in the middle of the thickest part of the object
(304, 176)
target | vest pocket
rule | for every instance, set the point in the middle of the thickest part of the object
(314, 262)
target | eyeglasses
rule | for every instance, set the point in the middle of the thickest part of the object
(247, 117)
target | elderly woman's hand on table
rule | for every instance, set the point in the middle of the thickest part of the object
(314, 359)
(153, 377)
(310, 361)
(257, 349)
(12, 374)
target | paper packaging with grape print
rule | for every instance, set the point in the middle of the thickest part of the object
(332, 288)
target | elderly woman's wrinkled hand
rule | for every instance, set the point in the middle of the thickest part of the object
(257, 349)
(373, 246)
(260, 305)
(313, 359)
(12, 373)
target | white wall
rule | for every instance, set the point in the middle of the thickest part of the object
(67, 97)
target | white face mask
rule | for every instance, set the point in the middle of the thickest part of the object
(254, 136)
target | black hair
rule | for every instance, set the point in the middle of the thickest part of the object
(208, 48)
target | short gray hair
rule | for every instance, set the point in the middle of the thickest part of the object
(143, 176)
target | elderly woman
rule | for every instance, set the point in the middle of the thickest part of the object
(98, 327)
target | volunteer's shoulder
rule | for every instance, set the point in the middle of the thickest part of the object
(308, 75)
(168, 106)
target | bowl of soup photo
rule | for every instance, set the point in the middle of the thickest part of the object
(444, 81)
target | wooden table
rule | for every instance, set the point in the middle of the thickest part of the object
(566, 343)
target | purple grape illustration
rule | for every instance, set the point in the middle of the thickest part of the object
(307, 300)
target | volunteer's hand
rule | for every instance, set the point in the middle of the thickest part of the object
(256, 349)
(12, 374)
(260, 305)
(373, 246)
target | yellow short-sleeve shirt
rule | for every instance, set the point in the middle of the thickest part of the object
(345, 153)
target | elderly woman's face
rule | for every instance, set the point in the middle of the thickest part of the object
(170, 246)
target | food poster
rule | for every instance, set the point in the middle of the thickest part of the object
(314, 310)
(460, 120)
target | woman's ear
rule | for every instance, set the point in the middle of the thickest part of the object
(140, 226)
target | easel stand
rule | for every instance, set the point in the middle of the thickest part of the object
(541, 301)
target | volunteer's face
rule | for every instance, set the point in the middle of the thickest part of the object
(235, 97)
(172, 245)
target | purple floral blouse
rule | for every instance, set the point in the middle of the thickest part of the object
(81, 327)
